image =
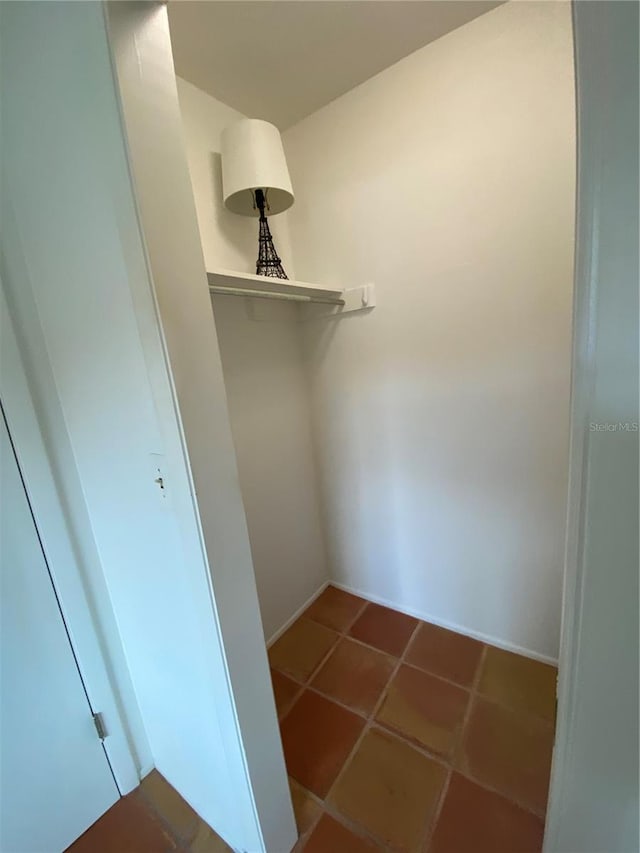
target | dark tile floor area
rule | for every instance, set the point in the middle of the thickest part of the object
(403, 736)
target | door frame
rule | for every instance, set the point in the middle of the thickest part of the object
(602, 66)
(56, 535)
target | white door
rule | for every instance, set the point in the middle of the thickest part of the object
(55, 780)
(594, 797)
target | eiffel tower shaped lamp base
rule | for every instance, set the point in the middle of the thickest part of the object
(268, 263)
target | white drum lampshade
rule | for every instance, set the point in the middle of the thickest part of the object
(253, 158)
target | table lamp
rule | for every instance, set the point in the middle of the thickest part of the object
(255, 181)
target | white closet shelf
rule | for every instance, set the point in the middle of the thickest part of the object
(226, 280)
(246, 284)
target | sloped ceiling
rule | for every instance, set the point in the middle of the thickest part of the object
(283, 60)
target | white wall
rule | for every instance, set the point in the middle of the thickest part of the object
(593, 803)
(178, 571)
(267, 389)
(441, 417)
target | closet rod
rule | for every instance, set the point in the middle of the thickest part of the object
(267, 294)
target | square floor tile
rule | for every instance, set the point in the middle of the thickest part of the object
(384, 629)
(355, 675)
(285, 691)
(445, 653)
(474, 820)
(335, 608)
(305, 808)
(519, 683)
(425, 709)
(390, 789)
(128, 827)
(300, 649)
(317, 736)
(509, 751)
(329, 836)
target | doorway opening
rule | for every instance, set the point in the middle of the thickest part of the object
(404, 484)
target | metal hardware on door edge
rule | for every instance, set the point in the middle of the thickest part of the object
(98, 721)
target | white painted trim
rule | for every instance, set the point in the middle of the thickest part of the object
(47, 506)
(277, 634)
(451, 626)
(588, 193)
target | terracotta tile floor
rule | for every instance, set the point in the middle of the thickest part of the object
(152, 819)
(402, 736)
(398, 736)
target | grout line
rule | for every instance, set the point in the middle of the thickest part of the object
(475, 695)
(541, 815)
(433, 823)
(322, 662)
(473, 692)
(371, 648)
(365, 604)
(332, 811)
(329, 809)
(347, 761)
(307, 682)
(356, 828)
(369, 724)
(430, 825)
(476, 683)
(332, 808)
(466, 688)
(340, 636)
(343, 632)
(363, 716)
(423, 750)
(291, 704)
(304, 837)
(394, 672)
(491, 700)
(317, 800)
(412, 640)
